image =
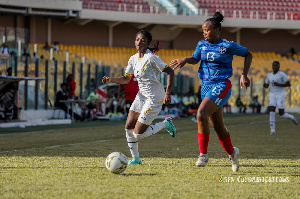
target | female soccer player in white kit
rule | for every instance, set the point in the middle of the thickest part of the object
(146, 67)
(278, 80)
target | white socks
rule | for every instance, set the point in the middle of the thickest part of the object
(132, 138)
(272, 121)
(286, 115)
(132, 143)
(151, 130)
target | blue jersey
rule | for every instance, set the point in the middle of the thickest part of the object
(216, 59)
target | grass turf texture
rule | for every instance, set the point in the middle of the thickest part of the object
(69, 162)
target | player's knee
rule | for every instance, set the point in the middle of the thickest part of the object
(201, 116)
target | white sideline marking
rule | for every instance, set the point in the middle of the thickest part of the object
(56, 146)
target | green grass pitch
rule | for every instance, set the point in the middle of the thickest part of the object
(69, 161)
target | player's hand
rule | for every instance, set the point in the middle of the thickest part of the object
(167, 99)
(275, 84)
(106, 79)
(178, 63)
(266, 85)
(244, 82)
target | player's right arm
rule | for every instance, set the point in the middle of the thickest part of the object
(267, 82)
(181, 62)
(125, 79)
(194, 59)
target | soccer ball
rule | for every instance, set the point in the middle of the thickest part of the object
(116, 162)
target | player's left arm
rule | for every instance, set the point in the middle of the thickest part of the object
(286, 84)
(244, 81)
(170, 81)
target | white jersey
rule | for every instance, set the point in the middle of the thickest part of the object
(281, 78)
(147, 70)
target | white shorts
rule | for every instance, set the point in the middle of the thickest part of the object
(277, 100)
(148, 108)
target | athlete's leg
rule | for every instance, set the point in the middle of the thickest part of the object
(142, 130)
(283, 114)
(217, 121)
(131, 140)
(206, 108)
(272, 119)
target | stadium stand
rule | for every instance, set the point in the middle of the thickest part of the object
(120, 5)
(118, 56)
(270, 9)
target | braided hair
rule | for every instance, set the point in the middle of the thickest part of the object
(216, 20)
(148, 35)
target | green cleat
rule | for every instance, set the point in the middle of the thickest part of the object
(170, 126)
(135, 161)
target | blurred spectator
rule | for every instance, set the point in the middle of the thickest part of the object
(240, 105)
(255, 105)
(94, 102)
(56, 47)
(71, 86)
(292, 52)
(9, 71)
(4, 49)
(25, 53)
(62, 95)
(226, 108)
(46, 46)
(34, 56)
(130, 89)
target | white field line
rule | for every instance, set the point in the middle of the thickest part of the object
(57, 146)
(99, 141)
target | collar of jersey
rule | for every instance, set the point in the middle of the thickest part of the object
(147, 52)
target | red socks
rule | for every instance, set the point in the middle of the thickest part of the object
(203, 142)
(226, 144)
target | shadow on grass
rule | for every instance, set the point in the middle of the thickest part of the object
(138, 174)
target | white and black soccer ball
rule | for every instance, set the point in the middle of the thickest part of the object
(116, 162)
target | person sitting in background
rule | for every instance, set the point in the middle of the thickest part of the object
(255, 105)
(46, 46)
(4, 49)
(55, 47)
(62, 95)
(9, 71)
(34, 56)
(25, 53)
(94, 102)
(240, 104)
(71, 86)
(292, 52)
(227, 108)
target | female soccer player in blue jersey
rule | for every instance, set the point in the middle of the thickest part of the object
(215, 54)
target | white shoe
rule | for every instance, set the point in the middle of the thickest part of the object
(234, 159)
(272, 132)
(194, 119)
(295, 121)
(202, 160)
